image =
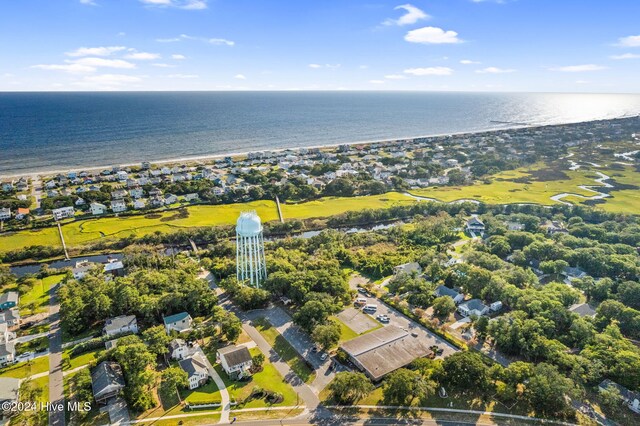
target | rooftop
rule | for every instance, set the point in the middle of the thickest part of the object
(176, 317)
(235, 355)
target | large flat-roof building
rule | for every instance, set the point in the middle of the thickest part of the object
(385, 350)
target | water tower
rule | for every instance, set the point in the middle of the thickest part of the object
(250, 263)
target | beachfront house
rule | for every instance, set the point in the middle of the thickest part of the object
(97, 208)
(118, 206)
(179, 322)
(9, 300)
(107, 381)
(473, 307)
(442, 290)
(5, 213)
(120, 325)
(63, 213)
(236, 361)
(196, 368)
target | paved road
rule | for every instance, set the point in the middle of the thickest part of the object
(300, 342)
(56, 389)
(36, 190)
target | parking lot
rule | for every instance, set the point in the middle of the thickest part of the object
(399, 320)
(356, 320)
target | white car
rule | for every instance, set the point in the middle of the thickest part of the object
(324, 356)
(383, 318)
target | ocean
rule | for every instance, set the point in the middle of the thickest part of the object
(57, 131)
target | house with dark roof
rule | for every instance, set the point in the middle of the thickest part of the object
(475, 226)
(107, 381)
(11, 317)
(236, 361)
(196, 369)
(473, 307)
(7, 352)
(178, 349)
(179, 322)
(408, 268)
(9, 300)
(630, 398)
(120, 325)
(442, 290)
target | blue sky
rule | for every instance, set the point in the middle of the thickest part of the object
(462, 45)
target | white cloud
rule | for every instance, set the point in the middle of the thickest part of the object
(376, 81)
(412, 15)
(142, 56)
(182, 37)
(330, 66)
(161, 65)
(88, 2)
(432, 35)
(101, 62)
(180, 4)
(625, 56)
(178, 57)
(183, 76)
(95, 51)
(630, 41)
(112, 79)
(70, 68)
(429, 71)
(220, 41)
(395, 77)
(240, 77)
(579, 68)
(495, 70)
(469, 62)
(363, 67)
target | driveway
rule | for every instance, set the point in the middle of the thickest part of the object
(30, 337)
(224, 393)
(118, 412)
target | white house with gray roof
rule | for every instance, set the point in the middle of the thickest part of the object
(120, 325)
(179, 322)
(473, 307)
(442, 290)
(196, 369)
(236, 361)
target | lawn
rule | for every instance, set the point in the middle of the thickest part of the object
(206, 394)
(267, 379)
(36, 300)
(69, 362)
(285, 350)
(27, 368)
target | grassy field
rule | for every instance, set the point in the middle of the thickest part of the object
(206, 394)
(345, 332)
(36, 300)
(284, 349)
(331, 206)
(27, 368)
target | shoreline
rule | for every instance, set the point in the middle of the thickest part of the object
(209, 157)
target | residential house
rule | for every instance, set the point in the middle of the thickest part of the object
(139, 204)
(118, 206)
(170, 199)
(80, 202)
(442, 290)
(7, 352)
(82, 268)
(573, 273)
(9, 300)
(495, 306)
(136, 193)
(473, 307)
(107, 381)
(515, 226)
(630, 398)
(236, 361)
(11, 317)
(9, 395)
(475, 226)
(22, 213)
(5, 213)
(407, 268)
(114, 267)
(178, 349)
(179, 322)
(119, 193)
(196, 368)
(192, 197)
(555, 227)
(97, 208)
(121, 324)
(63, 213)
(583, 309)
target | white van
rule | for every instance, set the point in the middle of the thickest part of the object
(360, 301)
(370, 308)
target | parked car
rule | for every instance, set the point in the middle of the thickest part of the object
(383, 318)
(324, 356)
